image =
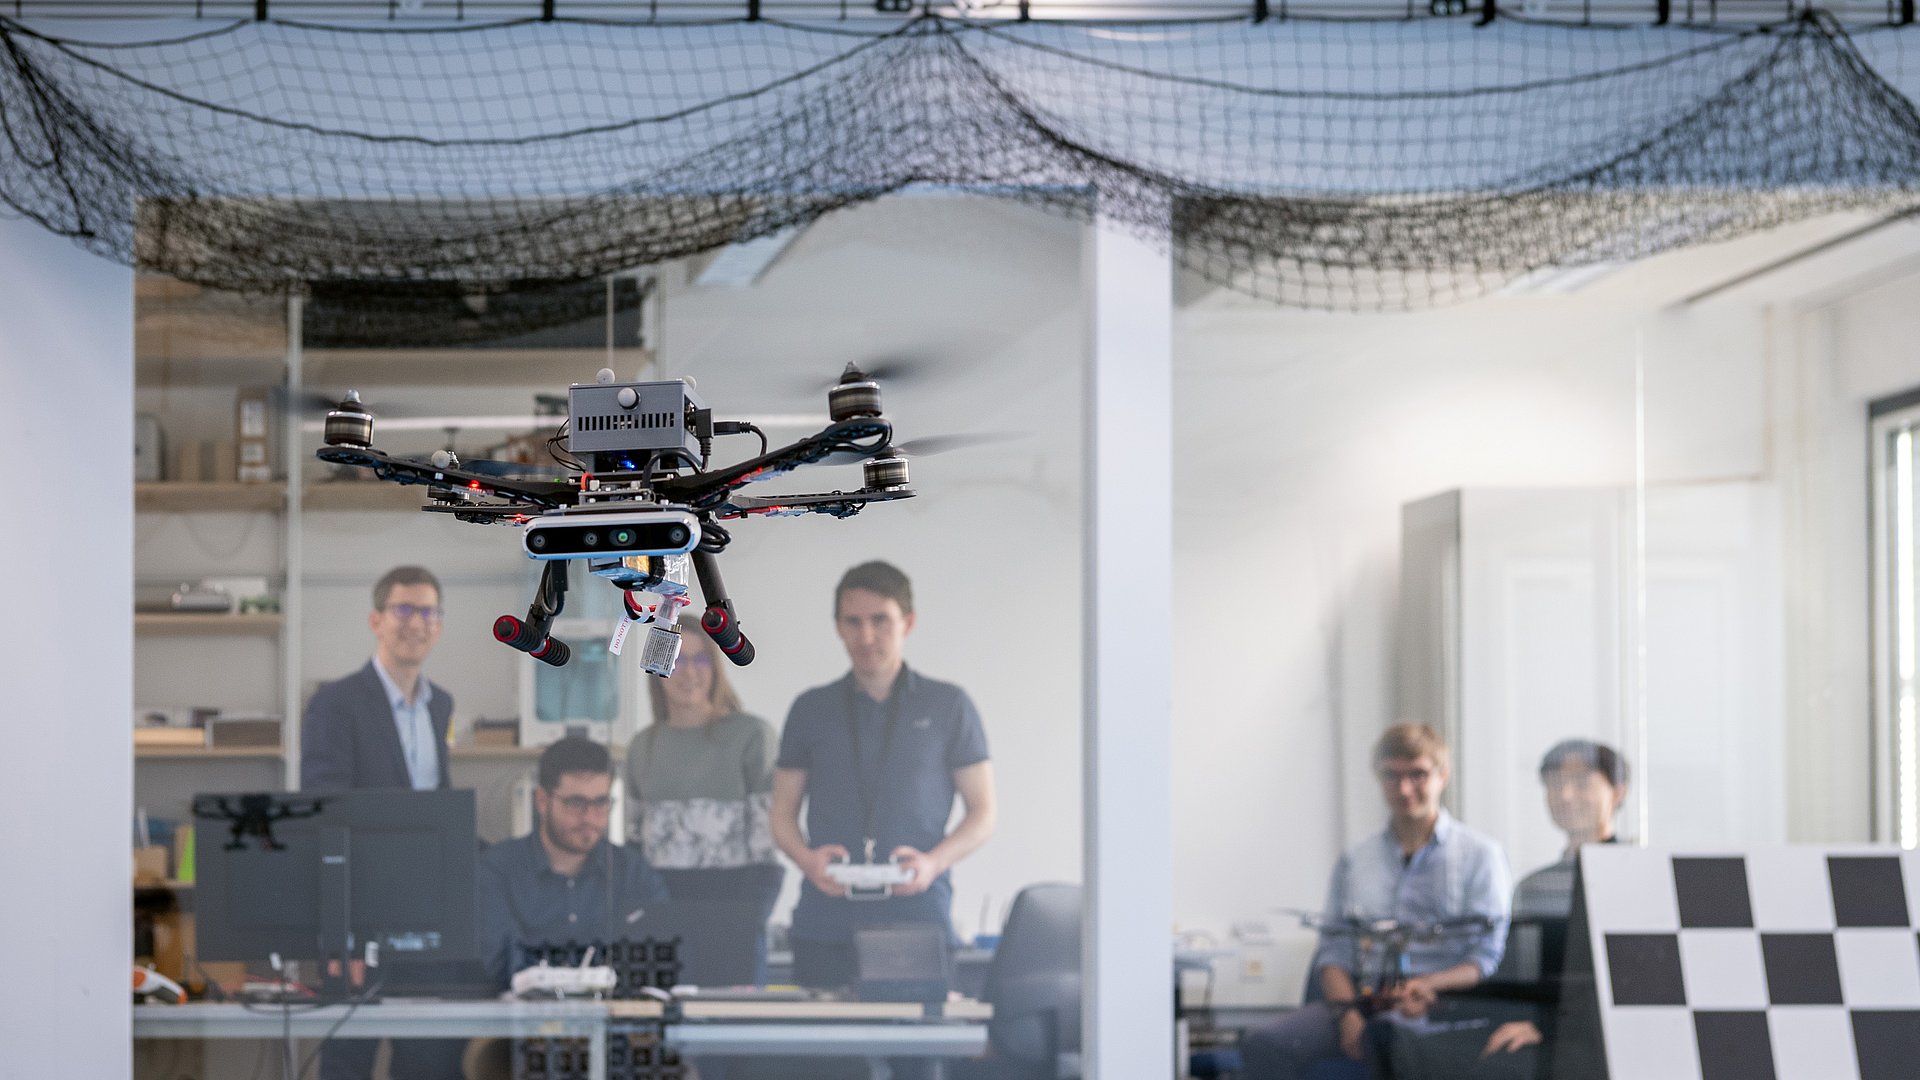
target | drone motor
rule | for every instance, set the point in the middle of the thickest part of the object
(349, 423)
(889, 470)
(855, 396)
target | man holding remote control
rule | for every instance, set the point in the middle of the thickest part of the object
(877, 757)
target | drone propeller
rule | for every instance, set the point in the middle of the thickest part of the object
(895, 372)
(926, 446)
(312, 404)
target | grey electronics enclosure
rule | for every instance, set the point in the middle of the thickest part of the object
(636, 416)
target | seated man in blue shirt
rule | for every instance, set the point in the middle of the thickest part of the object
(1585, 784)
(1424, 867)
(563, 882)
(877, 757)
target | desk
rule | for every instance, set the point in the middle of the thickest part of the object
(737, 1028)
(394, 1019)
(817, 1028)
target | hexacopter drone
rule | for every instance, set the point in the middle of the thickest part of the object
(636, 501)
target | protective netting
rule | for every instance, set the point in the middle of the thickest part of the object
(1339, 164)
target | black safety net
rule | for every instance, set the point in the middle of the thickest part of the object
(1345, 164)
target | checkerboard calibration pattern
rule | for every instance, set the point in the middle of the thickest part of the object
(1777, 964)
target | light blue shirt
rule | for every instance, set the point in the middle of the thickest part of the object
(415, 724)
(1458, 873)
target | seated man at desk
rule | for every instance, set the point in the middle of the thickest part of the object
(1423, 867)
(563, 882)
(1585, 784)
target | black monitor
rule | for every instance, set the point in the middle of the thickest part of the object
(319, 877)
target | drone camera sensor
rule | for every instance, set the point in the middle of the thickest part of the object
(603, 536)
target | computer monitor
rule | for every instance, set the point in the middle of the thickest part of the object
(340, 871)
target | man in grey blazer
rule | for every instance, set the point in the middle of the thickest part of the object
(385, 725)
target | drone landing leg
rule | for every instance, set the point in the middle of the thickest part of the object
(719, 621)
(530, 635)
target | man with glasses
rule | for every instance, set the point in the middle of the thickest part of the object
(1424, 867)
(563, 882)
(384, 726)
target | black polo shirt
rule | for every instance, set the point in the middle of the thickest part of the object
(906, 778)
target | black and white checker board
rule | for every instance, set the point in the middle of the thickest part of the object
(1789, 963)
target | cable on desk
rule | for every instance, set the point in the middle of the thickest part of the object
(365, 995)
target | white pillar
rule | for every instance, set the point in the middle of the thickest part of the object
(1128, 1017)
(66, 779)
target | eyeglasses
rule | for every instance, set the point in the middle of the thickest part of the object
(404, 612)
(1396, 777)
(580, 804)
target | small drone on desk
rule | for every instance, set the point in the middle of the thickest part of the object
(1383, 945)
(634, 498)
(254, 815)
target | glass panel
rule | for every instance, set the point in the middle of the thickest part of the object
(1420, 518)
(1895, 624)
(614, 824)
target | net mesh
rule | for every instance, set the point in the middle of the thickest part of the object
(1333, 163)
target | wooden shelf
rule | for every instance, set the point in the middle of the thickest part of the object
(207, 752)
(362, 495)
(194, 624)
(188, 498)
(495, 753)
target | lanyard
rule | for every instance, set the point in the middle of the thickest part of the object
(869, 798)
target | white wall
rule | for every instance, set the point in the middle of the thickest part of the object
(66, 786)
(1302, 434)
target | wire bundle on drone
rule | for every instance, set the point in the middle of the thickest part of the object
(1336, 164)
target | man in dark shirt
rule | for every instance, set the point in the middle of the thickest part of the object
(563, 882)
(877, 757)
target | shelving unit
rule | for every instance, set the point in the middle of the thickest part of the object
(191, 624)
(184, 498)
(193, 349)
(207, 753)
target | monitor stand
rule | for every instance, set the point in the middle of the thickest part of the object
(336, 924)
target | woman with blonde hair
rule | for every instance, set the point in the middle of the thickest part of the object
(700, 782)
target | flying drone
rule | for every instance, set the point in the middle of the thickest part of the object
(635, 499)
(1384, 943)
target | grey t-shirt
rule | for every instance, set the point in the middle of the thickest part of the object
(701, 796)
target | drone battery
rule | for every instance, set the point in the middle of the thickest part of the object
(659, 651)
(639, 417)
(663, 574)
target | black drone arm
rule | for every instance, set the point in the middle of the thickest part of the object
(708, 490)
(536, 494)
(719, 621)
(839, 504)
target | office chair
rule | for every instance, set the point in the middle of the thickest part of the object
(1034, 987)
